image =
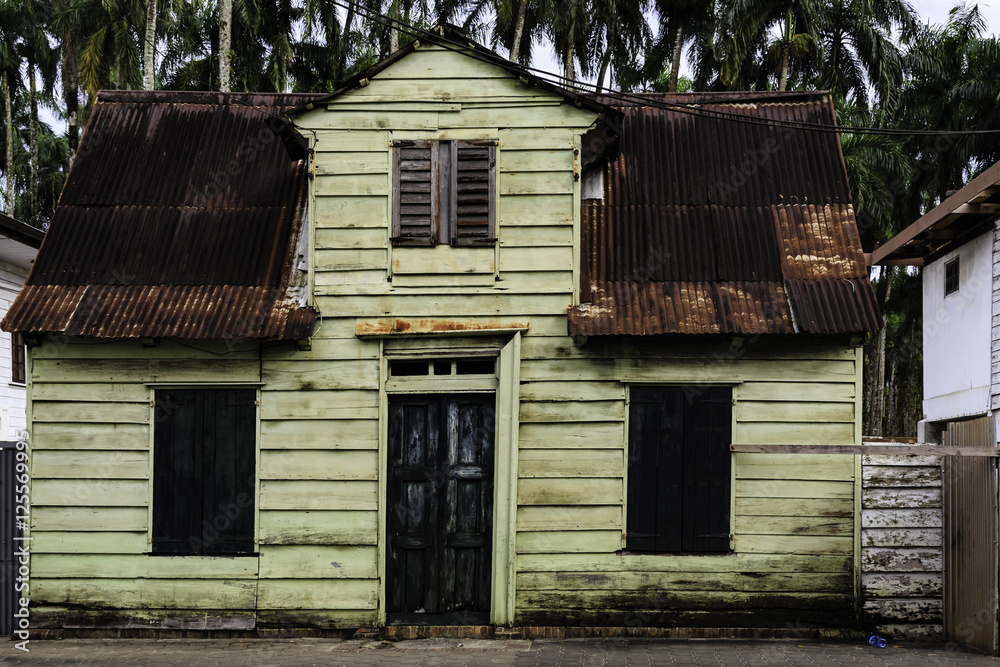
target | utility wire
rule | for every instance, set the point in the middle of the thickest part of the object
(641, 99)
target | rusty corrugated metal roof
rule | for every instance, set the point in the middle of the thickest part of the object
(181, 216)
(714, 226)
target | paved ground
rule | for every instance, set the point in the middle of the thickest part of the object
(459, 653)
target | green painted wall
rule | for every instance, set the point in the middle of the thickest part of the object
(318, 526)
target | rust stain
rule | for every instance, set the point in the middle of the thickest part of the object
(399, 326)
(711, 226)
(181, 216)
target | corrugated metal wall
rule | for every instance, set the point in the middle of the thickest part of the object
(970, 524)
(8, 533)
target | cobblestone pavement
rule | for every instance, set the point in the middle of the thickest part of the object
(472, 652)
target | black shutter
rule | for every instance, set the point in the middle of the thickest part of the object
(474, 195)
(415, 197)
(204, 480)
(679, 470)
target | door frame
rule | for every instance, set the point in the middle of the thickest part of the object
(505, 386)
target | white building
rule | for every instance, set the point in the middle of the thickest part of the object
(18, 244)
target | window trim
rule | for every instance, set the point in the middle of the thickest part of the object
(631, 383)
(153, 387)
(443, 228)
(952, 264)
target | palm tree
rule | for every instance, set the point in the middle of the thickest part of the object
(747, 25)
(225, 42)
(857, 49)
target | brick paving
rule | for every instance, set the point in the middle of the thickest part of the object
(477, 652)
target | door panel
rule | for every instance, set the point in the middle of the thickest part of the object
(440, 495)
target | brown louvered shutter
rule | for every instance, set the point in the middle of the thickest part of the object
(415, 193)
(473, 200)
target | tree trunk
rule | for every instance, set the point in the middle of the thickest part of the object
(515, 51)
(569, 65)
(393, 30)
(345, 35)
(783, 80)
(33, 138)
(10, 143)
(606, 59)
(148, 47)
(874, 391)
(71, 94)
(675, 63)
(225, 42)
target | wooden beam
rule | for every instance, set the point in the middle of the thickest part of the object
(880, 449)
(988, 179)
(978, 209)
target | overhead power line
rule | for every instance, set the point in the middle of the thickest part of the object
(694, 109)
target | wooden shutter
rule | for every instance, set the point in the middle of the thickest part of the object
(679, 469)
(18, 367)
(415, 197)
(204, 471)
(474, 193)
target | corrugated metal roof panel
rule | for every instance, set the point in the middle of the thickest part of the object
(180, 217)
(707, 223)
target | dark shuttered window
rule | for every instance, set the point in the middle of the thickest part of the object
(204, 471)
(444, 192)
(18, 365)
(679, 469)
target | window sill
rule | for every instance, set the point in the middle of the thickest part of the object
(159, 554)
(668, 554)
(22, 385)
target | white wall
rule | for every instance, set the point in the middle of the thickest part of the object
(957, 331)
(12, 396)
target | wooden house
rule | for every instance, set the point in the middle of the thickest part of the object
(449, 346)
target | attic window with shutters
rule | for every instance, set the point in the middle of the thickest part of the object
(443, 193)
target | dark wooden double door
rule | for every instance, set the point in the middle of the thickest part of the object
(440, 509)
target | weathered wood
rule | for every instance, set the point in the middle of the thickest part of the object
(55, 616)
(318, 495)
(318, 562)
(141, 566)
(127, 519)
(442, 259)
(352, 185)
(678, 600)
(915, 610)
(783, 433)
(101, 464)
(535, 138)
(594, 436)
(338, 527)
(888, 498)
(902, 584)
(530, 210)
(798, 507)
(794, 544)
(347, 140)
(921, 453)
(898, 476)
(901, 559)
(795, 391)
(901, 537)
(88, 542)
(734, 562)
(594, 491)
(572, 411)
(308, 375)
(752, 488)
(156, 370)
(351, 260)
(119, 392)
(546, 518)
(829, 467)
(582, 463)
(317, 594)
(369, 162)
(933, 461)
(571, 391)
(794, 411)
(95, 492)
(568, 541)
(153, 594)
(644, 582)
(318, 464)
(901, 518)
(346, 239)
(787, 525)
(353, 212)
(319, 434)
(511, 160)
